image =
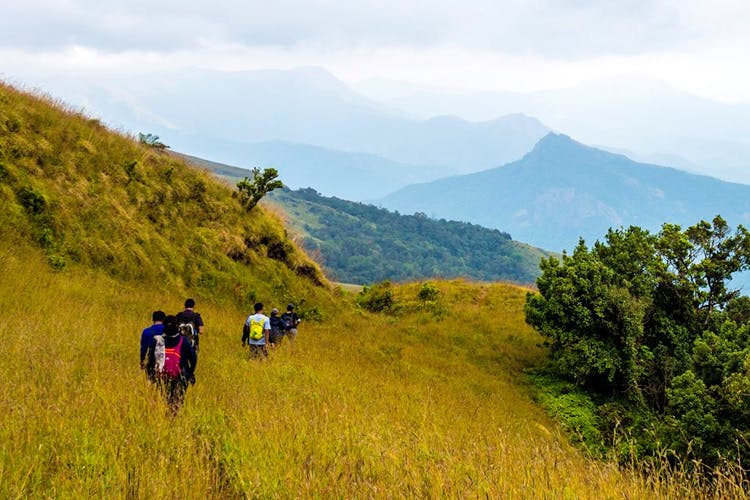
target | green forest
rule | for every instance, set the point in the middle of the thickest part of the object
(359, 243)
(654, 340)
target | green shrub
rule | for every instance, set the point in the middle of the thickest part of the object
(32, 201)
(376, 298)
(428, 292)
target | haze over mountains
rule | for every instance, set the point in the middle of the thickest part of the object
(563, 189)
(644, 118)
(221, 115)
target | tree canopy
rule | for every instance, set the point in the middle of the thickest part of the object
(651, 321)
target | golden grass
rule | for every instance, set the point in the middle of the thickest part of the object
(424, 405)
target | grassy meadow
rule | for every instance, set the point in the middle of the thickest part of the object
(360, 406)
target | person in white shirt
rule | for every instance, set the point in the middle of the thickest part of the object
(256, 331)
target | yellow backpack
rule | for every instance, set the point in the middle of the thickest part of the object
(256, 328)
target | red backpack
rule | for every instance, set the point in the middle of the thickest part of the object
(172, 357)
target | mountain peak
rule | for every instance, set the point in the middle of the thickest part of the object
(554, 147)
(555, 142)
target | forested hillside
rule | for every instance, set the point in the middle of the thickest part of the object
(361, 243)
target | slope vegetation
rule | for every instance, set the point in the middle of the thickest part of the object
(361, 243)
(93, 198)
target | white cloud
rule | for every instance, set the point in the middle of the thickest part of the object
(697, 45)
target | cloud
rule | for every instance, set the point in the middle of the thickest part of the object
(562, 29)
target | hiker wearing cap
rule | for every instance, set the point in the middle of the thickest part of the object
(173, 360)
(256, 330)
(290, 320)
(147, 337)
(277, 327)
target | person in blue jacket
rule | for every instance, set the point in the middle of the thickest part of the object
(147, 337)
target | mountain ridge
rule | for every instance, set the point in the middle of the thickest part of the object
(563, 189)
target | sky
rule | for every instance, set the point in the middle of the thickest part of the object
(516, 45)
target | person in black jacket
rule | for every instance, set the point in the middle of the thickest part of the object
(290, 320)
(188, 315)
(173, 359)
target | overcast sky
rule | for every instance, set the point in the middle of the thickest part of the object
(698, 45)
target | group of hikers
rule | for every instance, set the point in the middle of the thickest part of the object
(169, 347)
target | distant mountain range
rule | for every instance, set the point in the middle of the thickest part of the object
(352, 176)
(563, 190)
(219, 115)
(649, 119)
(359, 243)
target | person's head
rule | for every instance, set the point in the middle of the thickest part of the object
(170, 326)
(274, 312)
(158, 316)
(258, 307)
(189, 303)
(290, 307)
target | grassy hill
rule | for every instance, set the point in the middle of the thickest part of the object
(92, 198)
(361, 243)
(426, 402)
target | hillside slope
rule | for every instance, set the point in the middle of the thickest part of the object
(100, 200)
(361, 243)
(563, 190)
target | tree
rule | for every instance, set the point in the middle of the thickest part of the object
(151, 141)
(262, 182)
(654, 318)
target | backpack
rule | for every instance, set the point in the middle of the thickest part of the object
(170, 368)
(256, 328)
(159, 353)
(188, 325)
(286, 321)
(187, 330)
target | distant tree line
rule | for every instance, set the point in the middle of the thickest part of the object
(362, 243)
(649, 325)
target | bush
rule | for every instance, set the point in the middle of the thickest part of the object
(376, 298)
(428, 292)
(32, 201)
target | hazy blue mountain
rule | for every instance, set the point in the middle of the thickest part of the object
(645, 116)
(213, 114)
(563, 189)
(352, 176)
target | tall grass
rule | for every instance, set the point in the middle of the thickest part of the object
(426, 404)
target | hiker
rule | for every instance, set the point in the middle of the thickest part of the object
(256, 330)
(277, 327)
(190, 323)
(147, 337)
(290, 320)
(173, 360)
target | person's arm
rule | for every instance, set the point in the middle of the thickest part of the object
(144, 347)
(199, 322)
(267, 331)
